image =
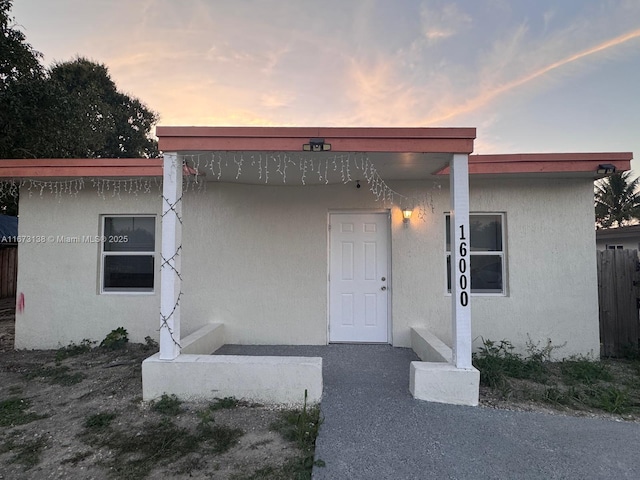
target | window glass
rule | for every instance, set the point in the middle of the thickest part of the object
(128, 254)
(486, 273)
(129, 234)
(486, 233)
(128, 272)
(486, 255)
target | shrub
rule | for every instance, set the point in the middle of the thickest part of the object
(116, 339)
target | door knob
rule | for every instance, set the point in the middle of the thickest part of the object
(383, 288)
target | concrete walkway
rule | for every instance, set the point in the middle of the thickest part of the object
(373, 429)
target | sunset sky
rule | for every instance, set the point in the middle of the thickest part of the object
(532, 76)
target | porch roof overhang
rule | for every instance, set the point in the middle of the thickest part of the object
(292, 139)
(80, 167)
(546, 164)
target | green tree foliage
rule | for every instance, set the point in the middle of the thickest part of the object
(617, 200)
(72, 109)
(18, 60)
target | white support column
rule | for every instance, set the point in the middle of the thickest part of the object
(460, 261)
(170, 279)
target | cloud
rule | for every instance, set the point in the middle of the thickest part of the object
(490, 94)
(438, 24)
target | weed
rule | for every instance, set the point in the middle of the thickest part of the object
(221, 437)
(99, 421)
(150, 344)
(73, 349)
(13, 411)
(116, 339)
(497, 362)
(557, 396)
(610, 399)
(56, 375)
(301, 427)
(167, 405)
(222, 403)
(25, 453)
(584, 370)
(159, 443)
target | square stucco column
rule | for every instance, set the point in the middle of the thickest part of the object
(170, 277)
(460, 261)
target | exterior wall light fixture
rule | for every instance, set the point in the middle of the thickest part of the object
(606, 169)
(316, 145)
(406, 216)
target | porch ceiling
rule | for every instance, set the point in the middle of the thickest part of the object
(321, 167)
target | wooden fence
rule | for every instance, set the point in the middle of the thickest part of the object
(8, 271)
(618, 296)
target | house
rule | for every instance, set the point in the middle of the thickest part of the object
(308, 236)
(627, 237)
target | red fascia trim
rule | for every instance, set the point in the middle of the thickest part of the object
(437, 140)
(81, 167)
(544, 163)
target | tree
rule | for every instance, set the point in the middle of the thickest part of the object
(104, 122)
(617, 201)
(72, 109)
(18, 60)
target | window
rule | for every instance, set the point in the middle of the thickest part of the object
(128, 253)
(486, 255)
(615, 247)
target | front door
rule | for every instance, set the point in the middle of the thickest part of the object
(358, 277)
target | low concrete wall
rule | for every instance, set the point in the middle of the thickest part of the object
(444, 383)
(429, 347)
(204, 341)
(436, 379)
(271, 380)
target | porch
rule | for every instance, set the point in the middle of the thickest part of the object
(293, 374)
(323, 156)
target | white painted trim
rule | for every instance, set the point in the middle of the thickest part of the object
(460, 262)
(170, 283)
(101, 255)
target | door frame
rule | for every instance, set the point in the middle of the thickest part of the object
(356, 211)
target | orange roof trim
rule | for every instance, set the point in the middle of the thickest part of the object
(291, 139)
(81, 167)
(544, 163)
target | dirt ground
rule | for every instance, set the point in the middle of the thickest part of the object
(66, 401)
(82, 417)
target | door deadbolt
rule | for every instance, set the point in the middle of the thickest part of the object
(383, 278)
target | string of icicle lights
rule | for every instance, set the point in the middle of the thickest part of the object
(285, 168)
(270, 169)
(104, 187)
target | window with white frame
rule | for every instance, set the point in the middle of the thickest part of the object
(128, 253)
(486, 253)
(615, 247)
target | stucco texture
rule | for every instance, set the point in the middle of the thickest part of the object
(255, 259)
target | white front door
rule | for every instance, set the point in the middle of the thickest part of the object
(358, 277)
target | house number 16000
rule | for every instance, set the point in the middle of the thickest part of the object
(462, 267)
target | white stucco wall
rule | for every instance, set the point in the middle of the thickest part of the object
(255, 259)
(60, 280)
